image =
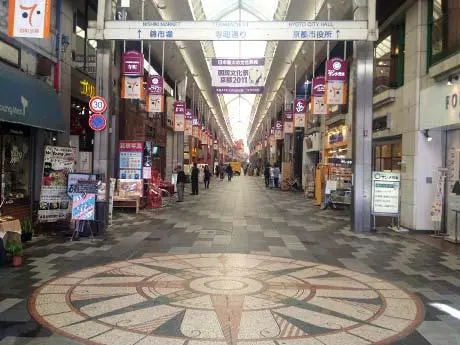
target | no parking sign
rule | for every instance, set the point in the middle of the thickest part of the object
(97, 121)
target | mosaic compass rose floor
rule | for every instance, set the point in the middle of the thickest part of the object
(220, 299)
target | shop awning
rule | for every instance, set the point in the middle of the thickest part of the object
(28, 101)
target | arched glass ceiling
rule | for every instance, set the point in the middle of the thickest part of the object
(239, 107)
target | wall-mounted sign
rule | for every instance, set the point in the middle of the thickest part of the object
(97, 122)
(87, 88)
(29, 19)
(336, 81)
(238, 76)
(132, 63)
(385, 193)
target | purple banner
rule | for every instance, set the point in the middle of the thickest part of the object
(132, 63)
(278, 125)
(188, 114)
(336, 70)
(233, 90)
(154, 85)
(288, 115)
(318, 86)
(300, 106)
(179, 107)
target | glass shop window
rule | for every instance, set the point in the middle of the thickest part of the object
(15, 167)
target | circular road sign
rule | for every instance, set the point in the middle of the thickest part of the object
(97, 105)
(97, 122)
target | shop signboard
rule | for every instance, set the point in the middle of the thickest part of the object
(131, 153)
(59, 162)
(188, 123)
(132, 63)
(318, 96)
(288, 122)
(278, 130)
(238, 76)
(300, 108)
(73, 181)
(30, 19)
(155, 85)
(83, 207)
(155, 103)
(132, 88)
(336, 81)
(179, 116)
(385, 193)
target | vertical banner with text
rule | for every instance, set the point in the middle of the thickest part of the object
(288, 122)
(30, 19)
(300, 109)
(336, 81)
(179, 116)
(318, 100)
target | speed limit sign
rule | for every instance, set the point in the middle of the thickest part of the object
(97, 104)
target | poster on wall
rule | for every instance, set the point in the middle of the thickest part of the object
(336, 81)
(131, 153)
(385, 193)
(238, 76)
(30, 19)
(132, 88)
(59, 162)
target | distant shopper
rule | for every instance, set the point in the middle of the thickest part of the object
(276, 176)
(180, 183)
(221, 172)
(194, 178)
(229, 172)
(207, 177)
(267, 175)
(216, 171)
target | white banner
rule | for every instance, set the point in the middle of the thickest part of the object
(29, 18)
(179, 122)
(238, 75)
(132, 88)
(385, 193)
(155, 103)
(319, 105)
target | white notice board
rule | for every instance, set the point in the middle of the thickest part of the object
(385, 193)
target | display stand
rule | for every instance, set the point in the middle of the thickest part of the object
(438, 204)
(80, 227)
(455, 239)
(386, 198)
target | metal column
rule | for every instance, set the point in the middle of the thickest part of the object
(363, 75)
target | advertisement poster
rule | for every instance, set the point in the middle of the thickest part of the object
(59, 162)
(29, 19)
(132, 88)
(131, 153)
(336, 81)
(73, 180)
(385, 193)
(238, 76)
(83, 207)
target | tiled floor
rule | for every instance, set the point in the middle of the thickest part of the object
(240, 265)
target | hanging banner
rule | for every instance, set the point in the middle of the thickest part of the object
(155, 104)
(132, 88)
(278, 130)
(300, 108)
(288, 122)
(336, 81)
(59, 162)
(179, 116)
(29, 19)
(188, 123)
(238, 76)
(132, 63)
(195, 128)
(154, 85)
(318, 97)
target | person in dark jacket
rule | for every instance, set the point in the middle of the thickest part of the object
(267, 175)
(207, 177)
(217, 171)
(229, 172)
(180, 183)
(194, 178)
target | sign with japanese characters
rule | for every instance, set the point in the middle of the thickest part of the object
(132, 63)
(132, 88)
(238, 76)
(300, 108)
(155, 104)
(29, 19)
(188, 123)
(83, 207)
(59, 162)
(131, 153)
(278, 130)
(154, 85)
(385, 193)
(336, 81)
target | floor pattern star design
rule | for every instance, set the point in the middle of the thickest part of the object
(225, 299)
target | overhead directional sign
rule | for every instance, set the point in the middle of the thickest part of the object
(234, 31)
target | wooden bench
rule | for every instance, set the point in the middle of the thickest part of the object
(127, 202)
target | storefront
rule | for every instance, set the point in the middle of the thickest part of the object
(387, 154)
(337, 141)
(30, 117)
(311, 158)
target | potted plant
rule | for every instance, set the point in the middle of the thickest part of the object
(15, 249)
(26, 230)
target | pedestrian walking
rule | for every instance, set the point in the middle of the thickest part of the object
(216, 171)
(267, 175)
(207, 177)
(276, 176)
(221, 172)
(180, 183)
(194, 178)
(229, 172)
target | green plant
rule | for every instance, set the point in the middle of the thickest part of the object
(14, 247)
(26, 226)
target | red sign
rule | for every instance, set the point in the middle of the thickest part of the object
(132, 63)
(300, 106)
(188, 114)
(179, 107)
(97, 122)
(336, 69)
(133, 146)
(288, 115)
(155, 85)
(318, 86)
(97, 105)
